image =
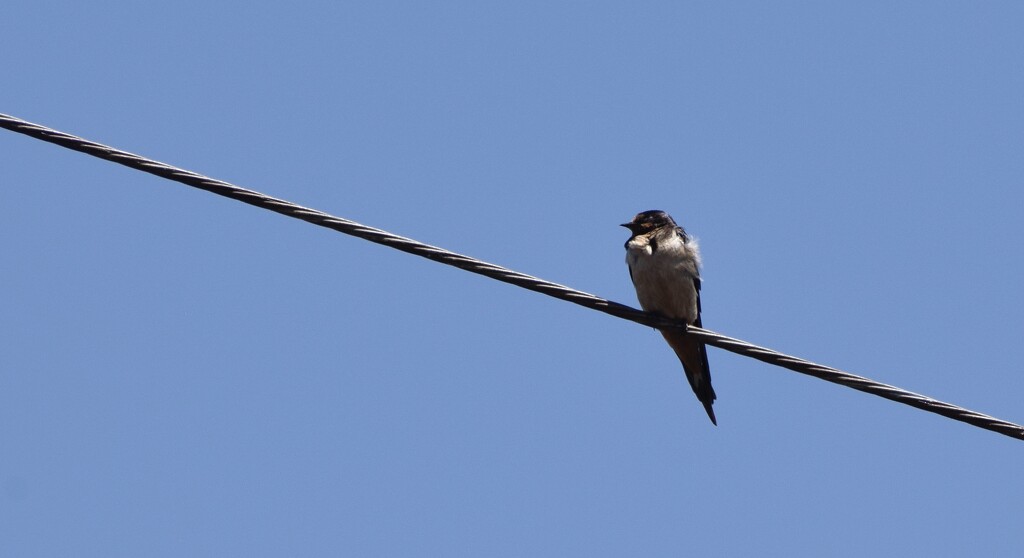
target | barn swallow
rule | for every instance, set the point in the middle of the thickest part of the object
(664, 264)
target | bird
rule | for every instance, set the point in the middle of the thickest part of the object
(664, 265)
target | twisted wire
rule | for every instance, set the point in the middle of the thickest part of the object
(516, 278)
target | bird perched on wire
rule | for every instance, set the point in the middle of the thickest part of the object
(664, 264)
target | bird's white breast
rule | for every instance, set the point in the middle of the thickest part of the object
(664, 278)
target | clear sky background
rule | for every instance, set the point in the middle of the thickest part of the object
(185, 375)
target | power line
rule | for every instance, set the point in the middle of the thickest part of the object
(499, 273)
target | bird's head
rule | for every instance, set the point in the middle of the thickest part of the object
(648, 221)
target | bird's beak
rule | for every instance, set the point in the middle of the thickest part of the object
(627, 225)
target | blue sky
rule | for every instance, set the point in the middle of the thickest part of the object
(184, 375)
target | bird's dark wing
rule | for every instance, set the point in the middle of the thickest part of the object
(696, 286)
(707, 393)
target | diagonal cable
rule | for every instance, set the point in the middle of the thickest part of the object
(499, 273)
